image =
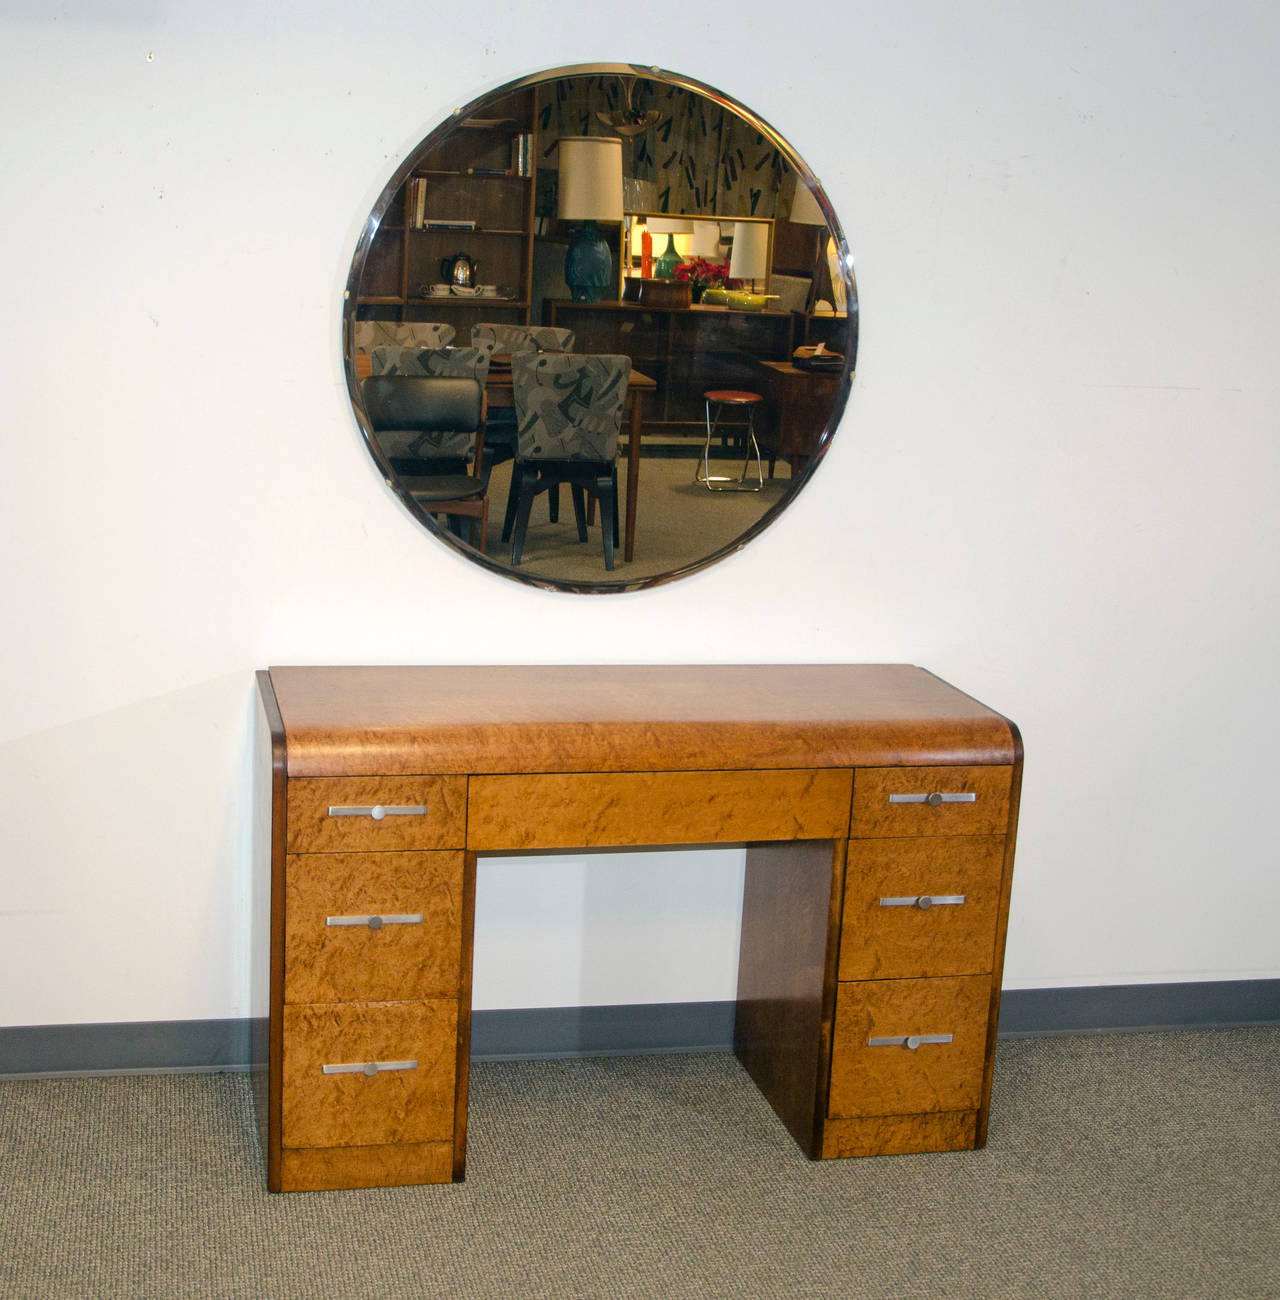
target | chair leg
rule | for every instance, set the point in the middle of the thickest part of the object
(613, 480)
(750, 445)
(579, 509)
(528, 489)
(513, 497)
(702, 472)
(606, 489)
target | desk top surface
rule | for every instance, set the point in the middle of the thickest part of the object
(350, 721)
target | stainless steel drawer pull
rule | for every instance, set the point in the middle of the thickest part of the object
(924, 901)
(378, 810)
(369, 1067)
(911, 1041)
(934, 799)
(377, 921)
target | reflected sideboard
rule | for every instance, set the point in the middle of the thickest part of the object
(877, 804)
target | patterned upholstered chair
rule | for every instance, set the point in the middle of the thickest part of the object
(501, 430)
(522, 338)
(569, 414)
(370, 334)
(406, 453)
(440, 421)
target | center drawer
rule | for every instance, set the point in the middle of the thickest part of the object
(372, 927)
(588, 809)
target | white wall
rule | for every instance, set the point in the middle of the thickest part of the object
(1053, 485)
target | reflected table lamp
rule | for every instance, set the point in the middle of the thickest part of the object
(706, 240)
(664, 266)
(806, 212)
(749, 259)
(590, 190)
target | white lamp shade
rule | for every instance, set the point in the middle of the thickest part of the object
(706, 239)
(750, 257)
(669, 225)
(804, 207)
(590, 169)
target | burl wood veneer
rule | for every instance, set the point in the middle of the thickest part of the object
(877, 804)
(352, 963)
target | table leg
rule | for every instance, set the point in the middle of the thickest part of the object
(633, 470)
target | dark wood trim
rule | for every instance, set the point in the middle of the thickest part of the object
(268, 1098)
(1002, 931)
(462, 1074)
(830, 986)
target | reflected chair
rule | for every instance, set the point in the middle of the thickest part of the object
(439, 422)
(569, 414)
(735, 399)
(500, 433)
(521, 338)
(370, 334)
(440, 363)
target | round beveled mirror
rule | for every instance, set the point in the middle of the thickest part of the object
(600, 328)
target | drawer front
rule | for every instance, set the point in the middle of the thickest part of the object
(583, 810)
(322, 1169)
(332, 814)
(930, 801)
(372, 927)
(922, 906)
(873, 1078)
(355, 1108)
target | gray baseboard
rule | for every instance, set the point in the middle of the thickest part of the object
(174, 1046)
(539, 1032)
(1133, 1008)
(169, 1046)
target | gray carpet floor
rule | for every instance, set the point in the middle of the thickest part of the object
(677, 523)
(1143, 1165)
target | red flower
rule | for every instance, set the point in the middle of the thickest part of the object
(699, 272)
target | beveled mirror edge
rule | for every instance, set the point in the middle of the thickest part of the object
(350, 307)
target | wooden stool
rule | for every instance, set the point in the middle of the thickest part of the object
(731, 397)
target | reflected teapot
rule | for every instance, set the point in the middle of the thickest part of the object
(459, 270)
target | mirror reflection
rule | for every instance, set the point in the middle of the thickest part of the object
(600, 328)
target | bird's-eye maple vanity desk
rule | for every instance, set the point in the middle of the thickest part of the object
(877, 803)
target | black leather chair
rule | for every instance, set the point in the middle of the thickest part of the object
(432, 421)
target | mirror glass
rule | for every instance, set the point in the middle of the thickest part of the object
(588, 213)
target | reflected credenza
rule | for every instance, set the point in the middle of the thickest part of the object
(878, 806)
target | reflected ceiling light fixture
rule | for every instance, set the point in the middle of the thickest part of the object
(590, 190)
(627, 120)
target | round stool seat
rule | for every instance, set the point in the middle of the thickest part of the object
(732, 396)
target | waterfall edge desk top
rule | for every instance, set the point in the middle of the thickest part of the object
(878, 805)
